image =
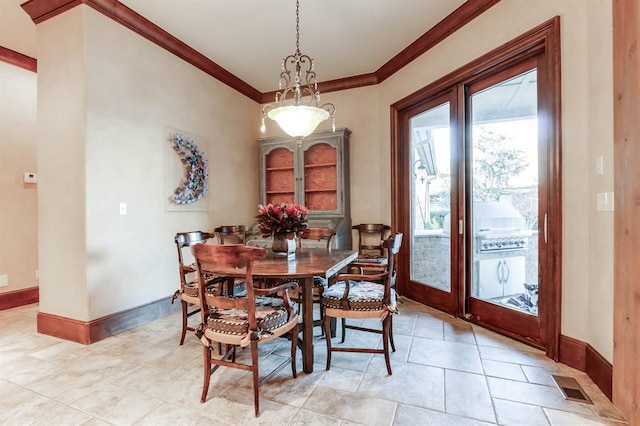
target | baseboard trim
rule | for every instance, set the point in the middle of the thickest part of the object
(582, 356)
(93, 331)
(13, 299)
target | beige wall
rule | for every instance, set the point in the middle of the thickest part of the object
(112, 151)
(587, 132)
(18, 200)
(130, 100)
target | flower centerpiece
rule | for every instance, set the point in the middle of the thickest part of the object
(282, 221)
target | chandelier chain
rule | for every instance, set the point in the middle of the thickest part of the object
(298, 26)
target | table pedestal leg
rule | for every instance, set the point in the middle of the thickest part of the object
(307, 325)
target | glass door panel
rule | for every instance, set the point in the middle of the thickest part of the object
(430, 199)
(504, 195)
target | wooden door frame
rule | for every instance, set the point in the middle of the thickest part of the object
(543, 40)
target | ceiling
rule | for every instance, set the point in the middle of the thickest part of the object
(249, 38)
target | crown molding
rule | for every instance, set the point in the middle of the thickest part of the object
(449, 25)
(41, 10)
(18, 59)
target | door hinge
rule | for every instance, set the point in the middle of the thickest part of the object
(461, 227)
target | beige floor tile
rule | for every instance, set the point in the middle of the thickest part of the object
(441, 364)
(414, 416)
(452, 355)
(467, 395)
(306, 417)
(341, 379)
(171, 415)
(504, 370)
(350, 406)
(510, 413)
(412, 384)
(530, 393)
(116, 405)
(563, 418)
(66, 416)
(20, 406)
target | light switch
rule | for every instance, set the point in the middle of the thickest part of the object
(123, 209)
(4, 280)
(599, 166)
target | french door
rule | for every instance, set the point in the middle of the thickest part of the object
(476, 185)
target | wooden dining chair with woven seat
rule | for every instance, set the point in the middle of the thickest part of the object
(361, 296)
(231, 234)
(371, 255)
(189, 283)
(239, 322)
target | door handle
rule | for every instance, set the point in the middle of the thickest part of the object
(545, 228)
(507, 270)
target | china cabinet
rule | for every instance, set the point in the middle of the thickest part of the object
(313, 172)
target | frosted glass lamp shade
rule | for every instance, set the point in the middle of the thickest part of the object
(298, 121)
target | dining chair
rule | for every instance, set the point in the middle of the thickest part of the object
(240, 322)
(234, 234)
(371, 254)
(361, 296)
(189, 282)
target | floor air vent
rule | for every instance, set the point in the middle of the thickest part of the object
(570, 389)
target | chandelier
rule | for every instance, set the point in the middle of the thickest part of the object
(296, 117)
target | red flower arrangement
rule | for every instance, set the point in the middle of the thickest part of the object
(281, 218)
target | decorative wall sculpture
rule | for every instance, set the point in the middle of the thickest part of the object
(196, 174)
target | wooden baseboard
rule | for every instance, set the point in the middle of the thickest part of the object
(582, 356)
(13, 299)
(101, 328)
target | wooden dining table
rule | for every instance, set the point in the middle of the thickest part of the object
(307, 263)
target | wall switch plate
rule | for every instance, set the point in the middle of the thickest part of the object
(599, 166)
(123, 208)
(30, 177)
(37, 274)
(4, 280)
(605, 201)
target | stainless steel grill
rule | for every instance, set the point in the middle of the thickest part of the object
(499, 226)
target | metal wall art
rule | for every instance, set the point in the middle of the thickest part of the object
(196, 174)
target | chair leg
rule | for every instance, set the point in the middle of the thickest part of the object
(294, 348)
(327, 334)
(393, 346)
(207, 373)
(184, 321)
(385, 342)
(344, 329)
(254, 369)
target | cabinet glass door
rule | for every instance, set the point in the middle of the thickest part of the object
(321, 177)
(280, 182)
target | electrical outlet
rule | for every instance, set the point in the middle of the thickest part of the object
(37, 274)
(4, 280)
(123, 208)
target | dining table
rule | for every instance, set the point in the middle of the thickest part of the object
(302, 266)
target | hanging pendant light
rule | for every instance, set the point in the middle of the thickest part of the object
(294, 116)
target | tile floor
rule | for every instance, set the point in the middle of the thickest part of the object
(445, 372)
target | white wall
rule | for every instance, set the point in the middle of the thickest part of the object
(133, 91)
(18, 200)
